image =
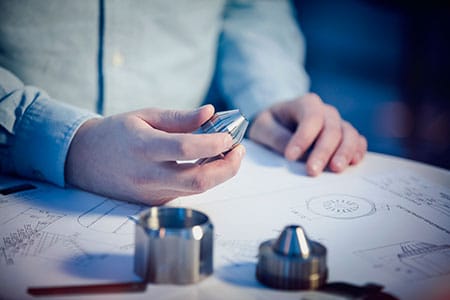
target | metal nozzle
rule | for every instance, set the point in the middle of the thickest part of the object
(292, 261)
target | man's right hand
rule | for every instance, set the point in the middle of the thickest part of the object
(133, 156)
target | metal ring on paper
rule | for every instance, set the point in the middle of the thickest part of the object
(173, 245)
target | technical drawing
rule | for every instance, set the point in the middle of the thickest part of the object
(11, 204)
(415, 189)
(27, 242)
(28, 238)
(299, 213)
(38, 218)
(411, 260)
(236, 252)
(111, 216)
(340, 206)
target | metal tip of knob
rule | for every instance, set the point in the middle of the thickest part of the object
(293, 242)
(292, 261)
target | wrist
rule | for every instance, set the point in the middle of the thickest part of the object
(78, 152)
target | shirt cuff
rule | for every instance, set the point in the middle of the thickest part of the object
(43, 138)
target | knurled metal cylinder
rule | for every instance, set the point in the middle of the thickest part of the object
(173, 245)
(292, 262)
(231, 121)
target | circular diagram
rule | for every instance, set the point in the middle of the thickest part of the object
(340, 206)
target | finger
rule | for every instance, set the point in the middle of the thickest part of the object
(325, 146)
(164, 146)
(195, 178)
(310, 124)
(267, 131)
(347, 148)
(361, 150)
(181, 121)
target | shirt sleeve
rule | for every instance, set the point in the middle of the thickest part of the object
(35, 131)
(261, 55)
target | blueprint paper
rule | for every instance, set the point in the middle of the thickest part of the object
(386, 221)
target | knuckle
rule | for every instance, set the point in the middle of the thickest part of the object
(347, 126)
(333, 132)
(332, 111)
(183, 148)
(139, 146)
(324, 152)
(173, 115)
(314, 98)
(350, 132)
(305, 138)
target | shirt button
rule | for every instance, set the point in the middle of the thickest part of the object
(117, 59)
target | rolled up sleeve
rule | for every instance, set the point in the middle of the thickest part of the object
(261, 55)
(35, 131)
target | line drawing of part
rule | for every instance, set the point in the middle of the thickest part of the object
(38, 217)
(340, 206)
(110, 216)
(410, 260)
(29, 242)
(23, 241)
(416, 190)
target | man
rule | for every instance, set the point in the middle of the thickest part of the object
(118, 58)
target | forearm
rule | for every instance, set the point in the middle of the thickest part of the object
(35, 131)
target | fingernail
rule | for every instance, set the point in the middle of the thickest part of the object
(316, 166)
(294, 153)
(340, 162)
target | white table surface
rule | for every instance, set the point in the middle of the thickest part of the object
(395, 232)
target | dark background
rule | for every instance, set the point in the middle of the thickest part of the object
(386, 66)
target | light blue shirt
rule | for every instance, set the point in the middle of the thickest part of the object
(148, 53)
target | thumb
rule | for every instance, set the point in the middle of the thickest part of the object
(177, 121)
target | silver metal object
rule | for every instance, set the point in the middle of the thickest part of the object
(292, 261)
(231, 121)
(173, 245)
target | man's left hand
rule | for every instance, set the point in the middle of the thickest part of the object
(293, 127)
